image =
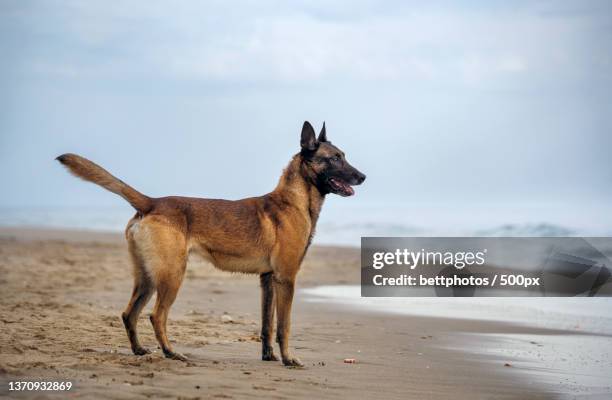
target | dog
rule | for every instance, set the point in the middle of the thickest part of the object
(267, 235)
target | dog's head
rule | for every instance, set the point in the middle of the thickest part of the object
(325, 164)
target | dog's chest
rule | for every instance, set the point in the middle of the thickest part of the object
(253, 262)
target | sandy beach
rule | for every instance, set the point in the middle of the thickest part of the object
(62, 293)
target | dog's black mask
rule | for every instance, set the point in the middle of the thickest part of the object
(327, 165)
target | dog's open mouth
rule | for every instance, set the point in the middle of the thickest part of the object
(340, 187)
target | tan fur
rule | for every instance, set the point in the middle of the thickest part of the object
(266, 235)
(92, 172)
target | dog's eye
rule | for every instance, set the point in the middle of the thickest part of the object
(335, 158)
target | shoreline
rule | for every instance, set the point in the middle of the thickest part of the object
(63, 292)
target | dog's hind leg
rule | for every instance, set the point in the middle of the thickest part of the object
(143, 289)
(267, 316)
(163, 250)
(170, 264)
(140, 297)
(167, 289)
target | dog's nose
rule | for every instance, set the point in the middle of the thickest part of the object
(359, 177)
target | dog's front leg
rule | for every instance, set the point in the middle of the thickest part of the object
(284, 289)
(267, 316)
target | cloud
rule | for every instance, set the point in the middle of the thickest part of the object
(222, 42)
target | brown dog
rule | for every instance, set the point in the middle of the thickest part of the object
(266, 235)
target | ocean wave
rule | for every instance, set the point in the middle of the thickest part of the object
(532, 230)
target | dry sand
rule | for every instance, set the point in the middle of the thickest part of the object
(62, 292)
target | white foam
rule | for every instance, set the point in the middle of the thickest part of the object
(583, 314)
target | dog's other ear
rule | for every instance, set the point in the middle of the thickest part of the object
(308, 140)
(323, 134)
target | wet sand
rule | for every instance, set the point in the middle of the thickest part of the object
(62, 293)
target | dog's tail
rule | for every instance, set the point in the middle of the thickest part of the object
(92, 172)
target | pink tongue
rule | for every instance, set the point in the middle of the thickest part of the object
(346, 188)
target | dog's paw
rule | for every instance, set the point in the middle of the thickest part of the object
(292, 362)
(267, 354)
(269, 357)
(175, 356)
(141, 351)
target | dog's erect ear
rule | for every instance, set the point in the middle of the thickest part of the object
(323, 134)
(309, 141)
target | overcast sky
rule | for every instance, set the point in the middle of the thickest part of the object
(447, 102)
